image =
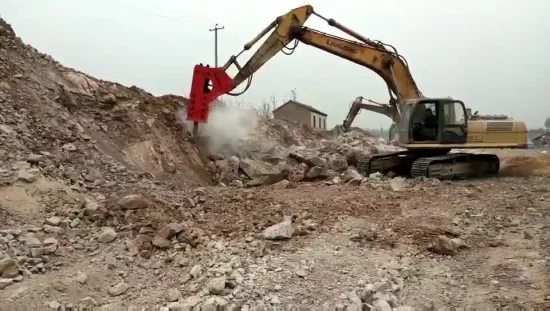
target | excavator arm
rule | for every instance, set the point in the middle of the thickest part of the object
(209, 83)
(374, 106)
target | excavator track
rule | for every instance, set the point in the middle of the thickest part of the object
(383, 163)
(447, 166)
(456, 165)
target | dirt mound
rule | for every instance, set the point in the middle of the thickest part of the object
(84, 130)
(71, 147)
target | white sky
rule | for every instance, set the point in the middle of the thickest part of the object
(489, 53)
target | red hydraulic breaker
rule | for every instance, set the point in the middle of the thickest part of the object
(208, 84)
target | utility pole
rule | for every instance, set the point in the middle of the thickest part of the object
(215, 30)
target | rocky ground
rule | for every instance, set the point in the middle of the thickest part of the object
(105, 202)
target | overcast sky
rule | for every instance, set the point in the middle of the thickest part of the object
(492, 54)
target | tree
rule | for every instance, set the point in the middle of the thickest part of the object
(273, 101)
(241, 104)
(293, 94)
(264, 110)
(547, 123)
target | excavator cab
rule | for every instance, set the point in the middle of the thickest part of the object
(430, 121)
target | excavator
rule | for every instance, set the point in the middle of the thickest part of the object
(428, 127)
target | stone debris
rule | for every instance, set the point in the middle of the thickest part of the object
(161, 242)
(118, 289)
(216, 286)
(25, 176)
(81, 277)
(382, 305)
(107, 235)
(281, 231)
(173, 295)
(133, 201)
(8, 269)
(299, 160)
(446, 246)
(398, 184)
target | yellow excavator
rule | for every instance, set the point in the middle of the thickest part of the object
(428, 127)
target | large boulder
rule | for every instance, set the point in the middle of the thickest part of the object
(337, 163)
(79, 83)
(297, 172)
(317, 172)
(262, 173)
(351, 174)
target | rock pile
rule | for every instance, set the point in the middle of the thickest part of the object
(62, 124)
(69, 144)
(332, 159)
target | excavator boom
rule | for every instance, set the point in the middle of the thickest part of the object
(386, 64)
(210, 83)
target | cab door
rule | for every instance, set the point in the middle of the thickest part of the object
(453, 122)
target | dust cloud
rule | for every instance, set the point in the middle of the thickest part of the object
(227, 128)
(533, 163)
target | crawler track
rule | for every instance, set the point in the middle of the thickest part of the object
(398, 162)
(441, 166)
(456, 165)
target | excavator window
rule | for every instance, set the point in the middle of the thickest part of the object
(437, 121)
(430, 121)
(448, 114)
(454, 122)
(425, 122)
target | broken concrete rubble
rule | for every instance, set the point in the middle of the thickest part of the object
(315, 160)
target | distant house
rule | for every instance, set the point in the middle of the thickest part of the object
(302, 113)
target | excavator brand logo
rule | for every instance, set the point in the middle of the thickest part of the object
(341, 46)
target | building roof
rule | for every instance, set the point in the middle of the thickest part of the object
(308, 107)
